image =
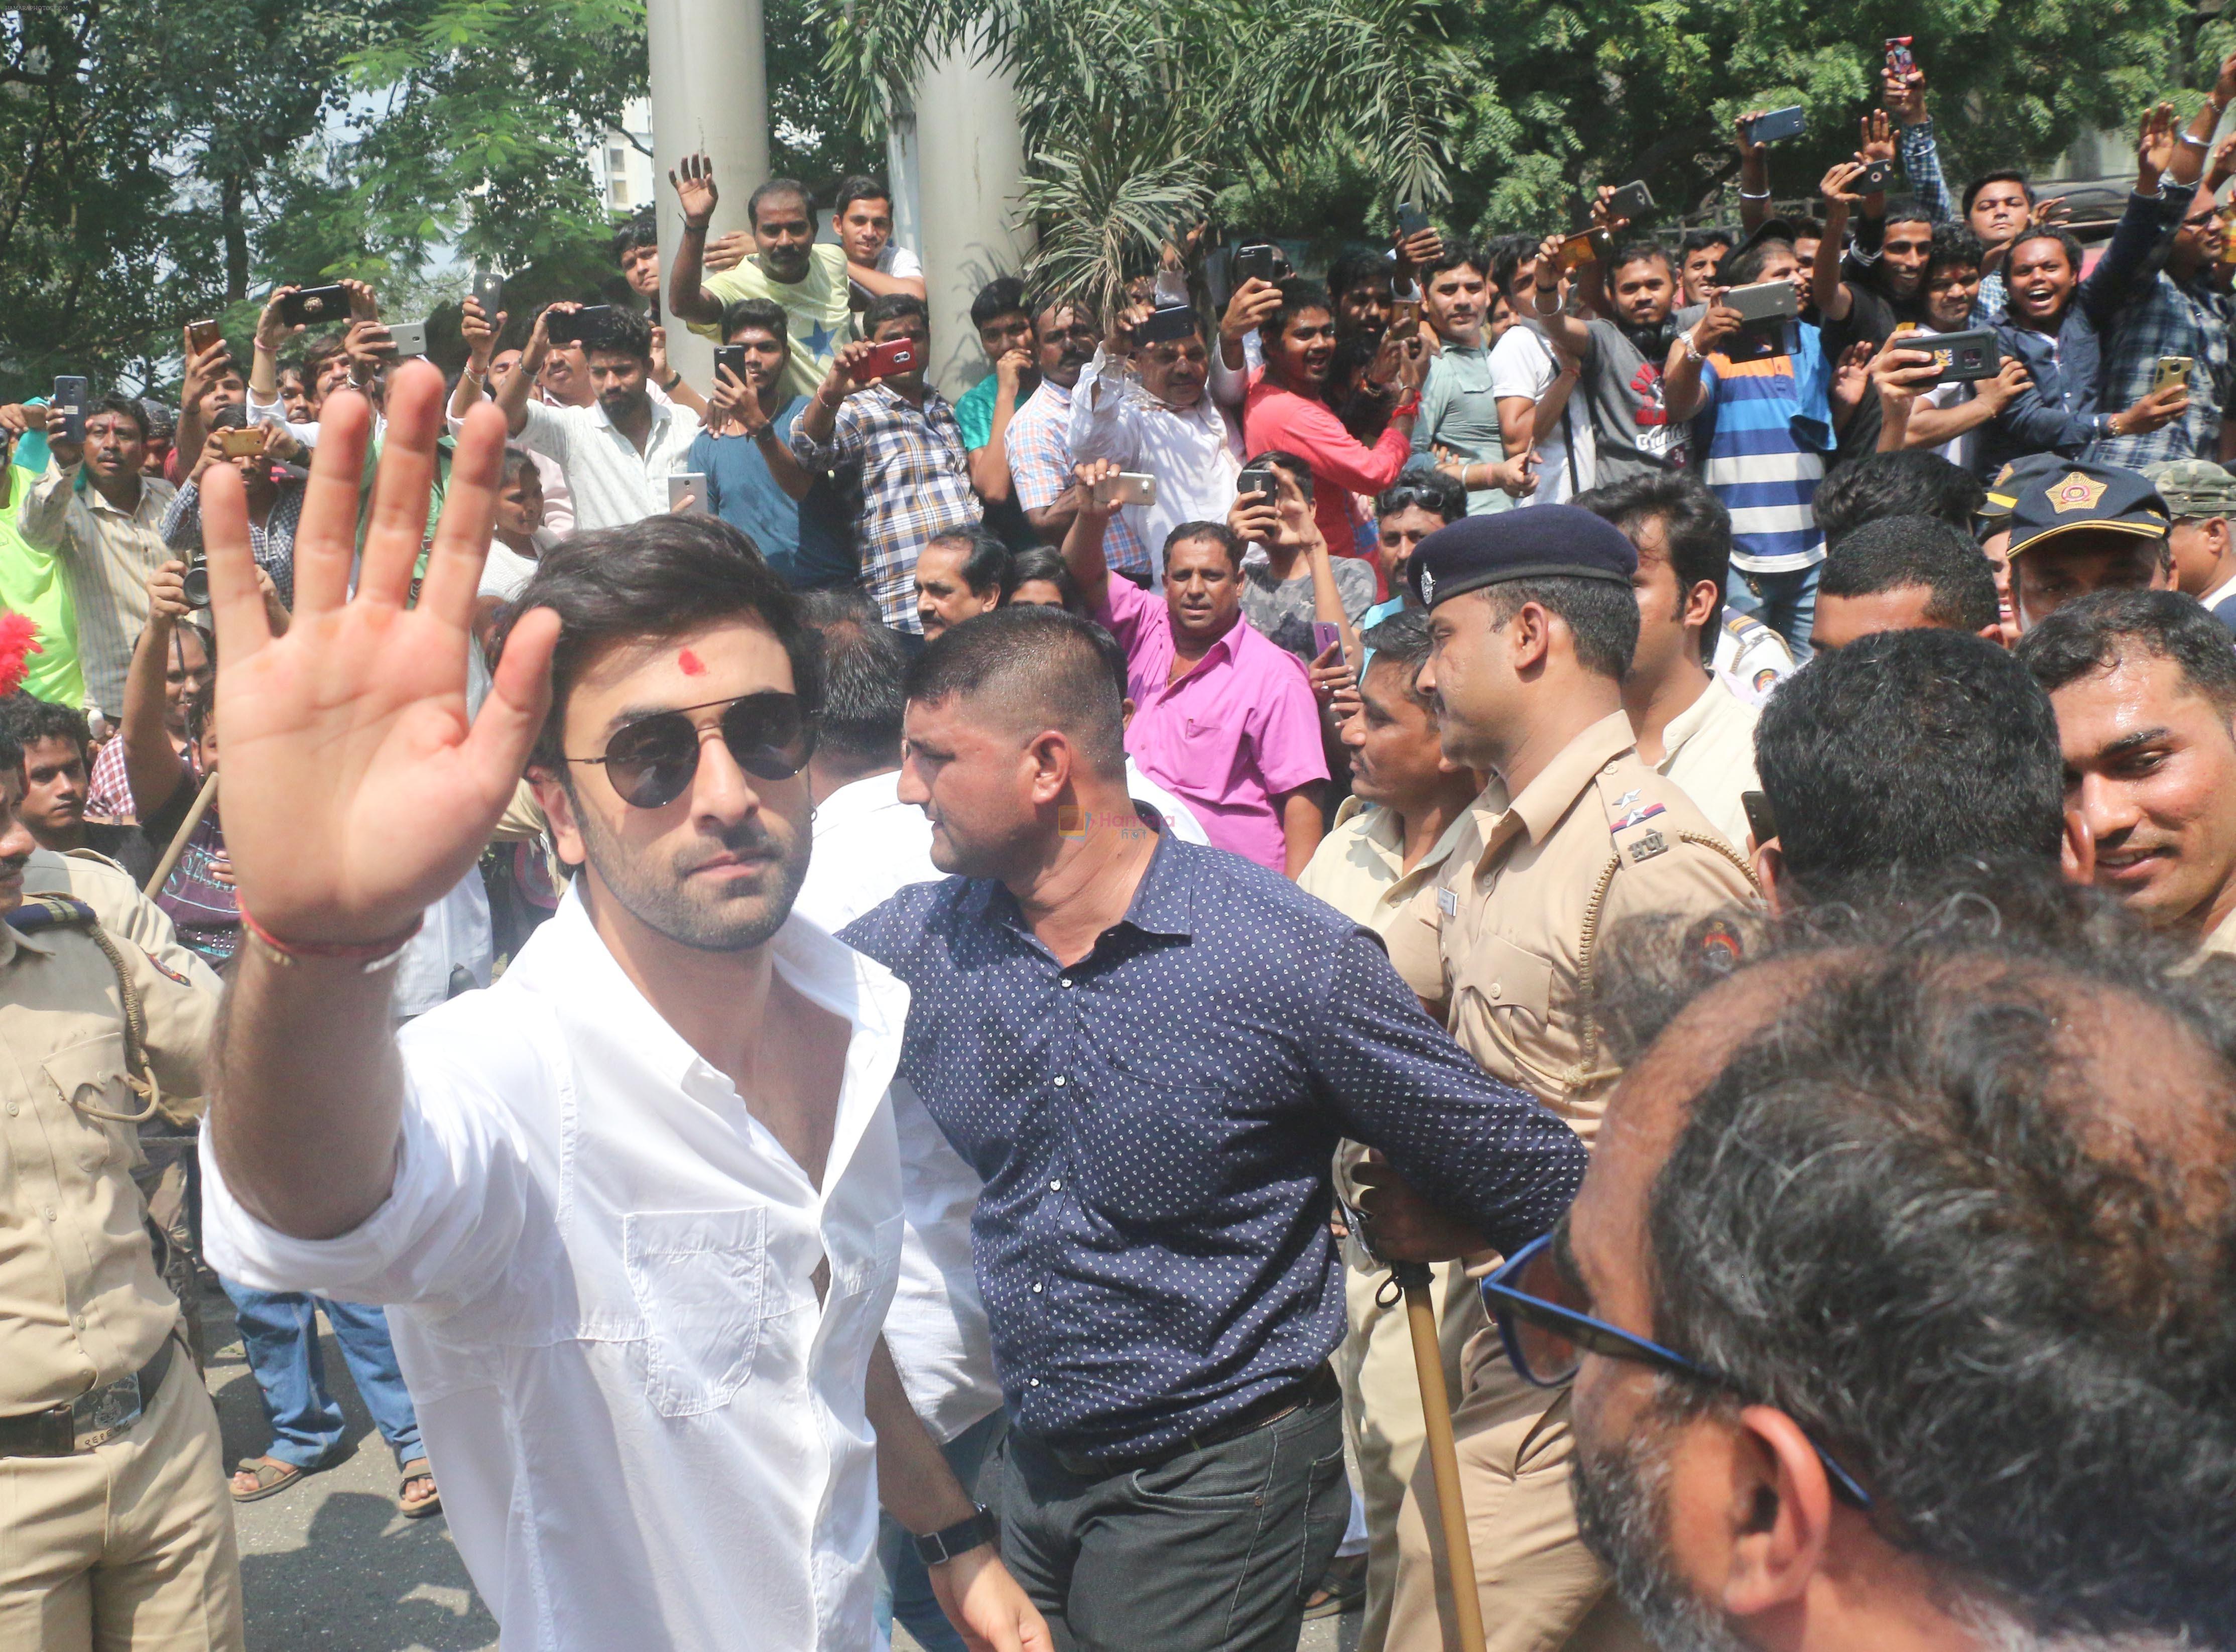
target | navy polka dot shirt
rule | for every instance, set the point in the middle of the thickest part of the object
(1154, 1127)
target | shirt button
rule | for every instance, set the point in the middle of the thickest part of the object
(1059, 1081)
(1056, 1186)
(1066, 980)
(1037, 1289)
(49, 1212)
(1496, 991)
(1035, 1382)
(13, 1109)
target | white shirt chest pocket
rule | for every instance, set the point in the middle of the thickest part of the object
(700, 1278)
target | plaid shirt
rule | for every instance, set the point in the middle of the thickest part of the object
(271, 541)
(2167, 318)
(915, 483)
(1039, 446)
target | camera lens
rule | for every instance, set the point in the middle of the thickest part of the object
(196, 581)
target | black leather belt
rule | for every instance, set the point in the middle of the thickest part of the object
(93, 1419)
(1321, 1385)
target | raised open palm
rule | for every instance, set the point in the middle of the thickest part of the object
(356, 795)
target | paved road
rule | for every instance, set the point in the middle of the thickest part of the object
(330, 1566)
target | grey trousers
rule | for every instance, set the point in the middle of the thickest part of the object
(1214, 1550)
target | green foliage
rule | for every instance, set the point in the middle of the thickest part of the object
(1313, 118)
(163, 160)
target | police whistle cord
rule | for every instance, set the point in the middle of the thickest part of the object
(203, 799)
(1414, 1280)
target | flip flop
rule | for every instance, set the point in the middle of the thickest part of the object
(418, 1469)
(272, 1476)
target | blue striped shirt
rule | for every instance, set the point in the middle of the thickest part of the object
(1762, 435)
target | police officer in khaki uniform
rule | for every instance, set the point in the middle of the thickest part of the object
(118, 1529)
(1533, 624)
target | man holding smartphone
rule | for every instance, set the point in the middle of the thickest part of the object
(754, 481)
(885, 426)
(109, 537)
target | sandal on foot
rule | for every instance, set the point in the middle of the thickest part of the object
(272, 1476)
(414, 1472)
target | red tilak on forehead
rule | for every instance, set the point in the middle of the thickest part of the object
(691, 664)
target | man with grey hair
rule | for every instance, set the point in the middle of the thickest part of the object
(2199, 494)
(1893, 1310)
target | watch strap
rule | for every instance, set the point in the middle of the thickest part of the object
(937, 1548)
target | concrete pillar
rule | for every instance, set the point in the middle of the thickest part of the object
(710, 93)
(970, 167)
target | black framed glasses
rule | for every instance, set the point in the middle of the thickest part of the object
(1531, 1299)
(651, 759)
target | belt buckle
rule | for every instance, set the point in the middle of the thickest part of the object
(100, 1412)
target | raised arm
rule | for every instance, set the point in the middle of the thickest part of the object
(1754, 174)
(695, 193)
(1082, 541)
(1540, 277)
(201, 370)
(356, 792)
(735, 404)
(151, 767)
(990, 465)
(481, 332)
(1826, 290)
(512, 395)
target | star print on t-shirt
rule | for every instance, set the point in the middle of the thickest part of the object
(818, 341)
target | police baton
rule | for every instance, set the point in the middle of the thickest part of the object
(203, 799)
(1414, 1280)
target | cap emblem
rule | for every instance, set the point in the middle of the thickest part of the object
(2077, 492)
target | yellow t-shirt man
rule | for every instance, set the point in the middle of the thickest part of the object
(818, 315)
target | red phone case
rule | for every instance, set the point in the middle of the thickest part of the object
(894, 356)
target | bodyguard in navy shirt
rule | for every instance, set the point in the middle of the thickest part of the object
(1149, 1050)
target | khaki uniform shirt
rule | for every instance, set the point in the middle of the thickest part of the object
(1511, 926)
(1708, 749)
(81, 1303)
(2223, 937)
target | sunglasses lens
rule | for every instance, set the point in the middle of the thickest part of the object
(768, 736)
(651, 761)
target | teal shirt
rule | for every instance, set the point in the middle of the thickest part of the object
(974, 411)
(1459, 412)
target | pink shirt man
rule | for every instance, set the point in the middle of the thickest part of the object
(1230, 736)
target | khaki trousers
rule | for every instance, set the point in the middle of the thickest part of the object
(1540, 1589)
(128, 1546)
(1381, 1407)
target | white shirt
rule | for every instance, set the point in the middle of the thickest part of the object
(898, 262)
(648, 1431)
(612, 483)
(1179, 819)
(1195, 455)
(1709, 750)
(1521, 364)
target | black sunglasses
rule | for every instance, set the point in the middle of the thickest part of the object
(1530, 1301)
(651, 761)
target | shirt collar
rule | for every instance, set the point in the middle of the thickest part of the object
(858, 800)
(2220, 593)
(1546, 799)
(1163, 903)
(1691, 721)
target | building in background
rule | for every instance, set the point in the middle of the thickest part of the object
(621, 161)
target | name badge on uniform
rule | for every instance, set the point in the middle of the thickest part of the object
(1448, 903)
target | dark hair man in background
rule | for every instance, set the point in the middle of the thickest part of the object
(1905, 574)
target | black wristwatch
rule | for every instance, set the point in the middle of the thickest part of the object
(936, 1548)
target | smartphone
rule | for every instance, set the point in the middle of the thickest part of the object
(1257, 262)
(1777, 124)
(1900, 61)
(732, 356)
(488, 292)
(200, 335)
(1764, 301)
(691, 485)
(1633, 200)
(1411, 220)
(1966, 355)
(71, 395)
(573, 326)
(894, 356)
(1761, 821)
(1580, 249)
(2173, 370)
(240, 443)
(1326, 634)
(313, 306)
(1127, 487)
(1873, 180)
(1165, 323)
(409, 337)
(1405, 312)
(1259, 479)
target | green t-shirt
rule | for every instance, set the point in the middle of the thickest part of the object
(974, 411)
(31, 584)
(818, 312)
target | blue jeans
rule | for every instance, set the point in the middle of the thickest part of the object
(904, 1585)
(1785, 602)
(280, 1329)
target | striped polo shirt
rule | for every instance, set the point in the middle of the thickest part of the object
(1761, 437)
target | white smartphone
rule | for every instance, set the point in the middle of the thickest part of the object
(686, 484)
(409, 337)
(1127, 487)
